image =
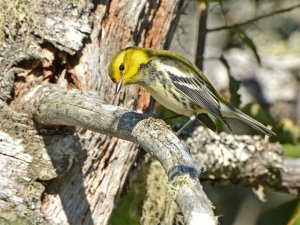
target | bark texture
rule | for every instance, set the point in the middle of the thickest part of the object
(100, 177)
(83, 171)
(71, 44)
(238, 159)
(251, 161)
(51, 105)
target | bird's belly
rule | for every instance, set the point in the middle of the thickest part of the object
(174, 102)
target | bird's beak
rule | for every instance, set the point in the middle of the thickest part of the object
(119, 85)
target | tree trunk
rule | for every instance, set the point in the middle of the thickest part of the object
(83, 171)
(71, 175)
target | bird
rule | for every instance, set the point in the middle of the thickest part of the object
(177, 84)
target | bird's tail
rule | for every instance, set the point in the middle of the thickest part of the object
(230, 111)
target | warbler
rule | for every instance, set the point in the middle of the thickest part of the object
(177, 84)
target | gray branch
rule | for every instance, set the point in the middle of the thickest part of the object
(242, 159)
(254, 19)
(251, 161)
(52, 105)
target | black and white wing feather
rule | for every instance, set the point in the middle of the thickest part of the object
(189, 82)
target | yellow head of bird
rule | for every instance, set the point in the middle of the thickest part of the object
(124, 66)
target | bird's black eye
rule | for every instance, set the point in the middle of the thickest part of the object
(122, 67)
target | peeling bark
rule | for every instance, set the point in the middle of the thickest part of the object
(51, 105)
(25, 158)
(71, 44)
(62, 175)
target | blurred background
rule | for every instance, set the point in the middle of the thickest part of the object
(273, 83)
(256, 66)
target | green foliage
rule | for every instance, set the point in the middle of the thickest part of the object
(291, 150)
(235, 97)
(128, 210)
(288, 133)
(295, 218)
(247, 41)
(234, 85)
(258, 113)
(278, 215)
(169, 116)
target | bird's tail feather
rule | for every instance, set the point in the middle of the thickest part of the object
(232, 112)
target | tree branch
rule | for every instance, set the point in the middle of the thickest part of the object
(251, 161)
(254, 19)
(52, 105)
(201, 34)
(235, 158)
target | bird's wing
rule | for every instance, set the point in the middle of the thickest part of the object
(187, 80)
